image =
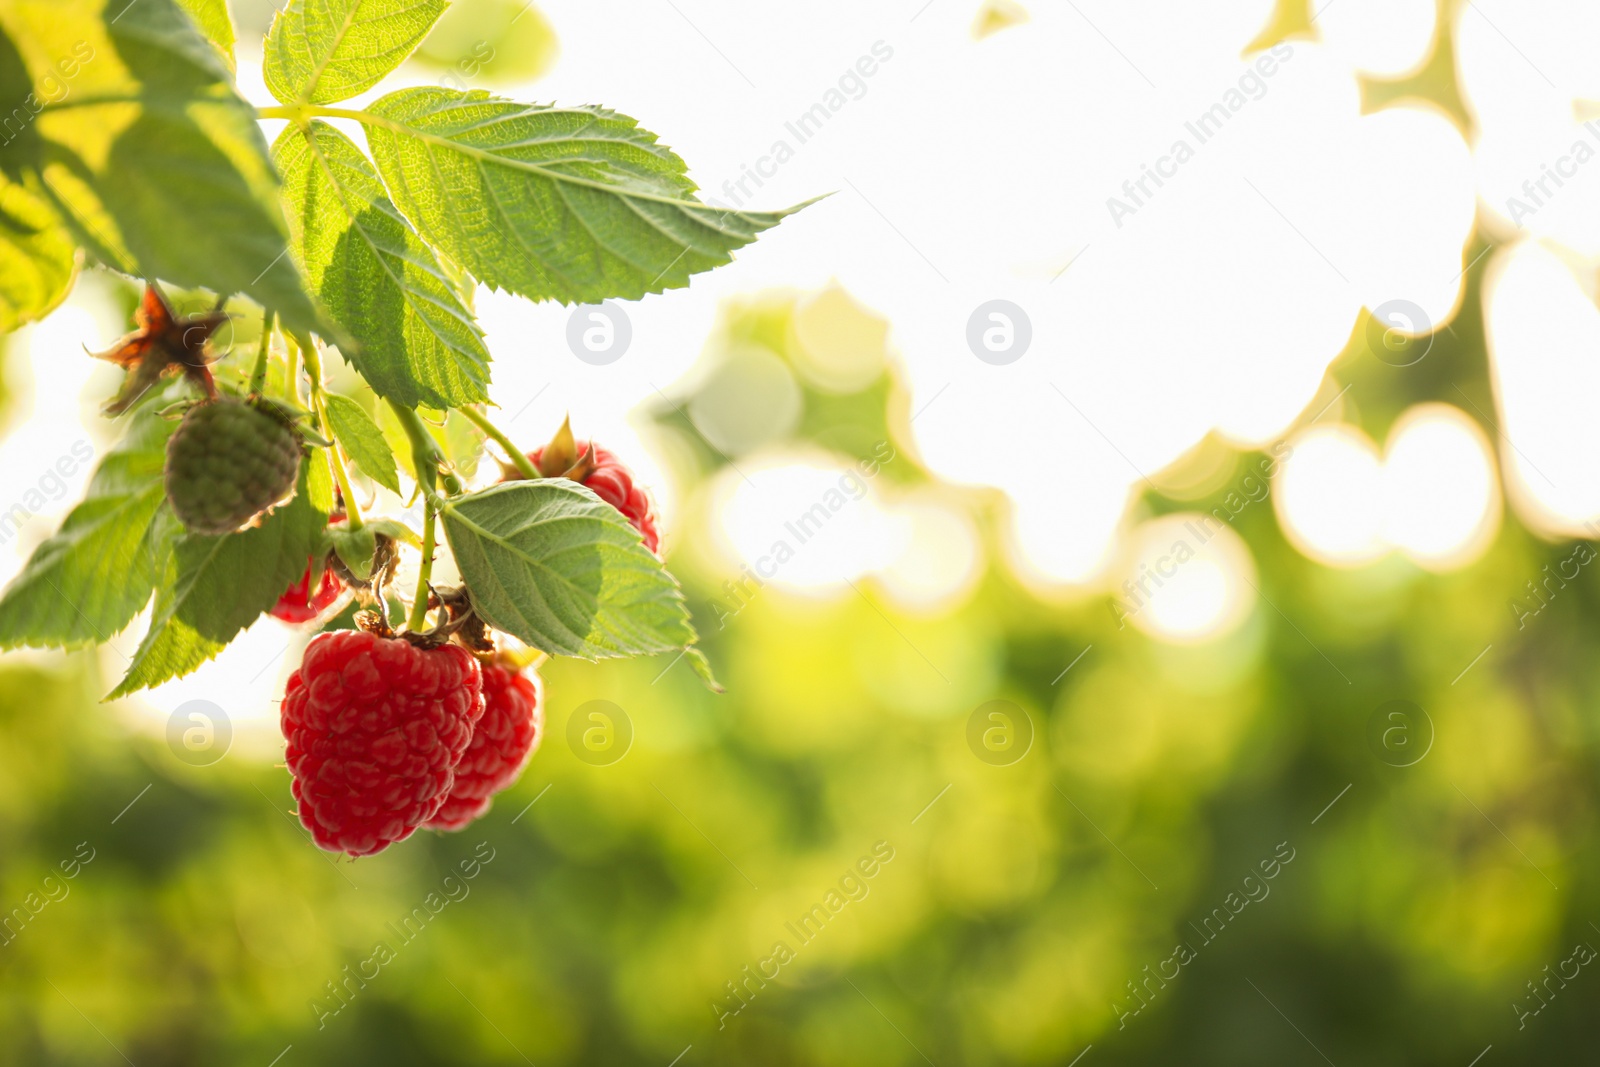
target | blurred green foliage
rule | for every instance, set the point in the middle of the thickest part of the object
(1021, 901)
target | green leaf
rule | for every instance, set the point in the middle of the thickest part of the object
(550, 563)
(417, 343)
(702, 669)
(324, 51)
(213, 19)
(93, 576)
(355, 548)
(145, 150)
(38, 257)
(213, 587)
(363, 441)
(572, 204)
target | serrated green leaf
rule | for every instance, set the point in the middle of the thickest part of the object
(572, 204)
(550, 563)
(702, 669)
(93, 576)
(363, 441)
(149, 155)
(213, 587)
(38, 257)
(417, 343)
(324, 51)
(213, 19)
(317, 488)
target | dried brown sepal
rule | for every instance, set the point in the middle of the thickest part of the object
(583, 467)
(474, 635)
(385, 559)
(162, 344)
(508, 471)
(561, 453)
(373, 622)
(459, 622)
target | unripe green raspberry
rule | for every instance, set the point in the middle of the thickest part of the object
(229, 461)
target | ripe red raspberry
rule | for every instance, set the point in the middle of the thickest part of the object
(375, 727)
(297, 603)
(613, 483)
(503, 742)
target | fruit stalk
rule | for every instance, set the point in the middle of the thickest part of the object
(429, 466)
(292, 373)
(419, 605)
(319, 404)
(425, 453)
(518, 459)
(258, 376)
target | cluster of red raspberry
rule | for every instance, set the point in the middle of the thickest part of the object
(386, 735)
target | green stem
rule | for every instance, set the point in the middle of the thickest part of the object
(426, 458)
(258, 376)
(429, 465)
(498, 436)
(292, 378)
(419, 605)
(319, 404)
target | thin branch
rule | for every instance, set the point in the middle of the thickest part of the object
(518, 458)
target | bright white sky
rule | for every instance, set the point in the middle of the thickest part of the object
(969, 171)
(966, 171)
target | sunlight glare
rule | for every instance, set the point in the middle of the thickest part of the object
(1328, 496)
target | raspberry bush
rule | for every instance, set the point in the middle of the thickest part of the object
(237, 490)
